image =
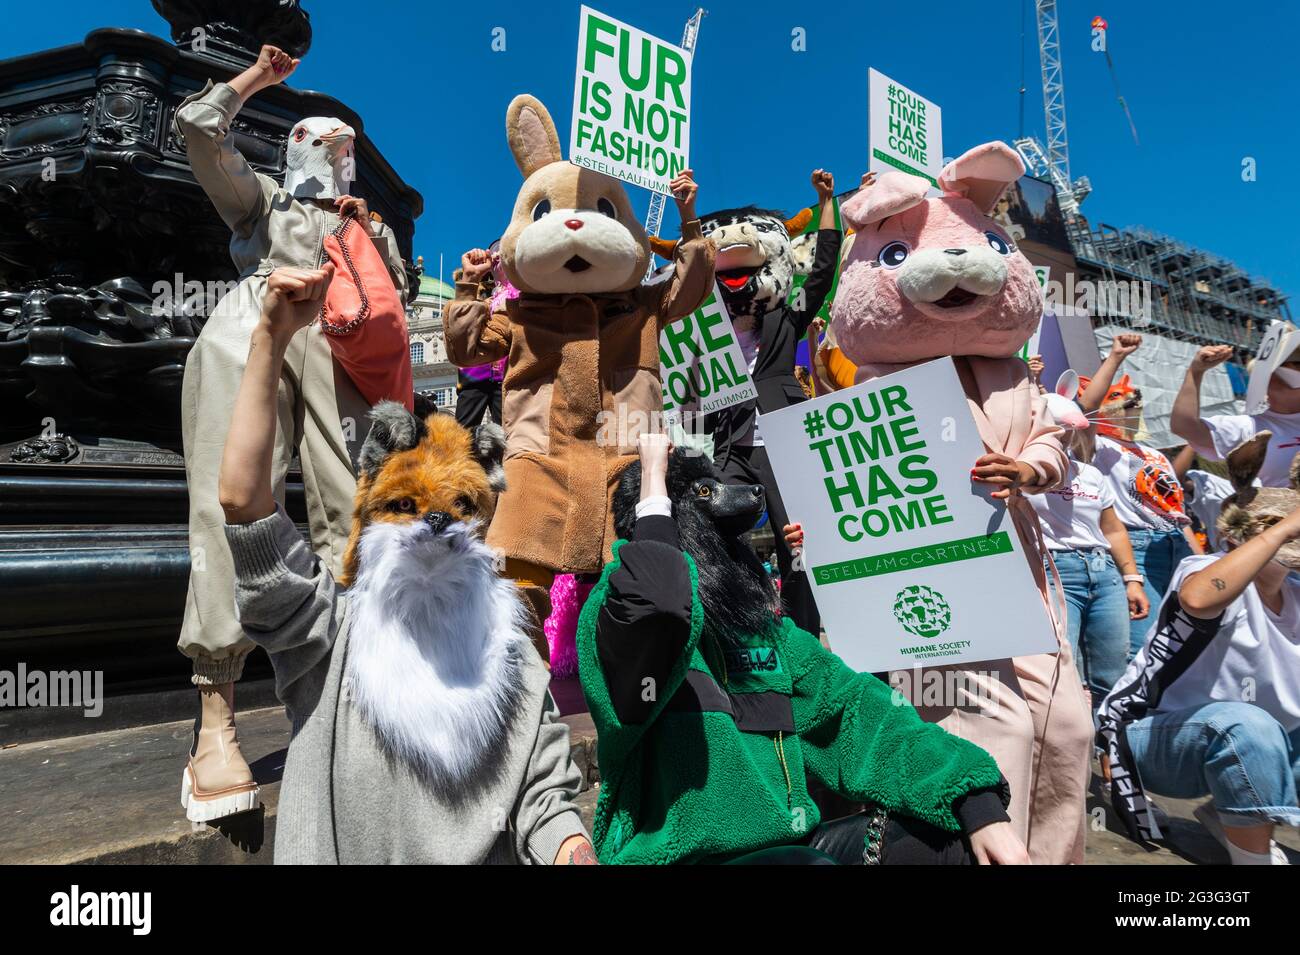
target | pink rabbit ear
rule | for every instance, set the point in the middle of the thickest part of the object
(982, 174)
(890, 194)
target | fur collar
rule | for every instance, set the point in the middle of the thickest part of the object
(435, 653)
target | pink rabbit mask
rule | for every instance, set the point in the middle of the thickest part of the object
(926, 277)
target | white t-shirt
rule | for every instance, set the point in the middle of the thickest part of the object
(1147, 493)
(1230, 430)
(1254, 658)
(748, 339)
(1071, 514)
(1206, 500)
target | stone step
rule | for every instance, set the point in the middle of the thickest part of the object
(114, 797)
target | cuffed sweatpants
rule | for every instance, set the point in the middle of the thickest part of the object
(320, 416)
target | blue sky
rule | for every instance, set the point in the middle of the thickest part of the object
(1208, 84)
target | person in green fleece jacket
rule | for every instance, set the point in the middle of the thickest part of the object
(714, 714)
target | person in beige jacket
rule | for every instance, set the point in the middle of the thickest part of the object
(582, 340)
(321, 413)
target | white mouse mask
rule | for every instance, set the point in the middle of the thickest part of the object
(319, 164)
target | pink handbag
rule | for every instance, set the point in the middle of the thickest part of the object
(363, 318)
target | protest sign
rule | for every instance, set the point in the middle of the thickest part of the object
(1031, 347)
(1274, 349)
(911, 562)
(904, 131)
(701, 364)
(631, 103)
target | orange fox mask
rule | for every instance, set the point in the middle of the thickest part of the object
(1120, 414)
(434, 471)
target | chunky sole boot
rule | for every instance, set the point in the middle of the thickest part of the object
(217, 781)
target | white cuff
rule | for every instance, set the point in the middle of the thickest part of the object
(659, 504)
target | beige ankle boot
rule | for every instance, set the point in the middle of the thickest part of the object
(217, 781)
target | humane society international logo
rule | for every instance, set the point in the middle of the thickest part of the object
(922, 611)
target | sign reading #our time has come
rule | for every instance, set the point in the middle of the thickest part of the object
(911, 562)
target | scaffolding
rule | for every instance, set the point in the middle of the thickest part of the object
(1195, 296)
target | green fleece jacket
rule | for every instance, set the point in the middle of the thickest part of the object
(705, 751)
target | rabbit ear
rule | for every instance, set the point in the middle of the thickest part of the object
(1067, 386)
(892, 193)
(982, 174)
(531, 134)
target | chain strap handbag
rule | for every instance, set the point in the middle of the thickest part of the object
(363, 317)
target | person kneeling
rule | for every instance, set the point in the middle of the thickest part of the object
(423, 729)
(713, 714)
(1211, 703)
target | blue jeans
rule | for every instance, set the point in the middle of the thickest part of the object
(1235, 752)
(1096, 618)
(1157, 554)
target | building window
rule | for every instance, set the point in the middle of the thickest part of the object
(417, 353)
(443, 397)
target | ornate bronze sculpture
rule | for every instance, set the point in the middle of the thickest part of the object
(110, 258)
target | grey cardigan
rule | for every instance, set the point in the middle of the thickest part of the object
(290, 605)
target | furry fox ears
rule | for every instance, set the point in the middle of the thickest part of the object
(981, 175)
(393, 429)
(531, 133)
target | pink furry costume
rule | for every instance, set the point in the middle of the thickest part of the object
(923, 278)
(568, 594)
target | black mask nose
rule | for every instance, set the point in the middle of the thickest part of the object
(439, 521)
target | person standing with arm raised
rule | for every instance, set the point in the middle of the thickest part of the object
(757, 262)
(320, 410)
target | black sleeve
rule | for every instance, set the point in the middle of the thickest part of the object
(646, 621)
(983, 807)
(820, 279)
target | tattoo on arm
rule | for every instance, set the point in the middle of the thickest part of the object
(1218, 584)
(582, 854)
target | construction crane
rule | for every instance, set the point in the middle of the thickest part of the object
(1053, 162)
(654, 217)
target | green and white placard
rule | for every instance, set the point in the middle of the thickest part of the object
(701, 364)
(905, 130)
(912, 563)
(631, 103)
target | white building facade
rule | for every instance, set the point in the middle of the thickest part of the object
(434, 375)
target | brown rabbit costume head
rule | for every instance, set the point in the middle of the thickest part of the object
(573, 230)
(1254, 509)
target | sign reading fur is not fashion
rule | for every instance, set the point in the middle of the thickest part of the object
(702, 366)
(631, 103)
(905, 130)
(911, 562)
